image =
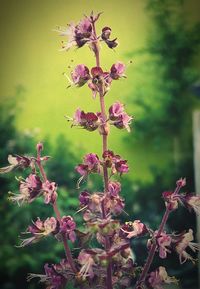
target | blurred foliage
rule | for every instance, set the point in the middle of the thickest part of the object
(15, 262)
(166, 102)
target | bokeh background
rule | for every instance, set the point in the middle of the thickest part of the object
(161, 38)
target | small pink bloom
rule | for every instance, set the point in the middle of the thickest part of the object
(80, 75)
(82, 169)
(67, 226)
(49, 192)
(92, 161)
(84, 198)
(117, 70)
(116, 110)
(171, 200)
(40, 229)
(181, 182)
(123, 121)
(163, 241)
(134, 229)
(114, 188)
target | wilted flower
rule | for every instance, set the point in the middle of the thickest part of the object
(105, 36)
(67, 226)
(181, 242)
(117, 70)
(87, 263)
(49, 192)
(16, 162)
(159, 277)
(29, 189)
(193, 202)
(40, 229)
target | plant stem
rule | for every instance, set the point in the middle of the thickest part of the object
(104, 148)
(58, 217)
(154, 246)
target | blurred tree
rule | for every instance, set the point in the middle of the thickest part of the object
(166, 101)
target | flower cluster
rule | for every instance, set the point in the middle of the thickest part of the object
(105, 258)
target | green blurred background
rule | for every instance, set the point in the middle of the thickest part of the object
(161, 38)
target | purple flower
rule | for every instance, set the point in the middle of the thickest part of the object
(117, 70)
(49, 192)
(80, 75)
(29, 189)
(89, 121)
(92, 161)
(119, 118)
(82, 169)
(159, 277)
(67, 226)
(84, 198)
(115, 162)
(114, 188)
(123, 121)
(40, 229)
(116, 110)
(78, 35)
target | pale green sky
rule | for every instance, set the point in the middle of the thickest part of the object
(30, 57)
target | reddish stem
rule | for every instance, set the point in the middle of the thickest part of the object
(154, 246)
(104, 148)
(58, 217)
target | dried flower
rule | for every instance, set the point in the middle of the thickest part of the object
(181, 242)
(159, 277)
(87, 263)
(16, 162)
(193, 202)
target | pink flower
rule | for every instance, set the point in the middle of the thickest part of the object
(163, 242)
(183, 241)
(117, 70)
(159, 277)
(29, 189)
(78, 35)
(84, 198)
(119, 118)
(123, 121)
(134, 229)
(115, 162)
(40, 229)
(116, 110)
(49, 192)
(89, 121)
(114, 188)
(80, 75)
(90, 164)
(67, 226)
